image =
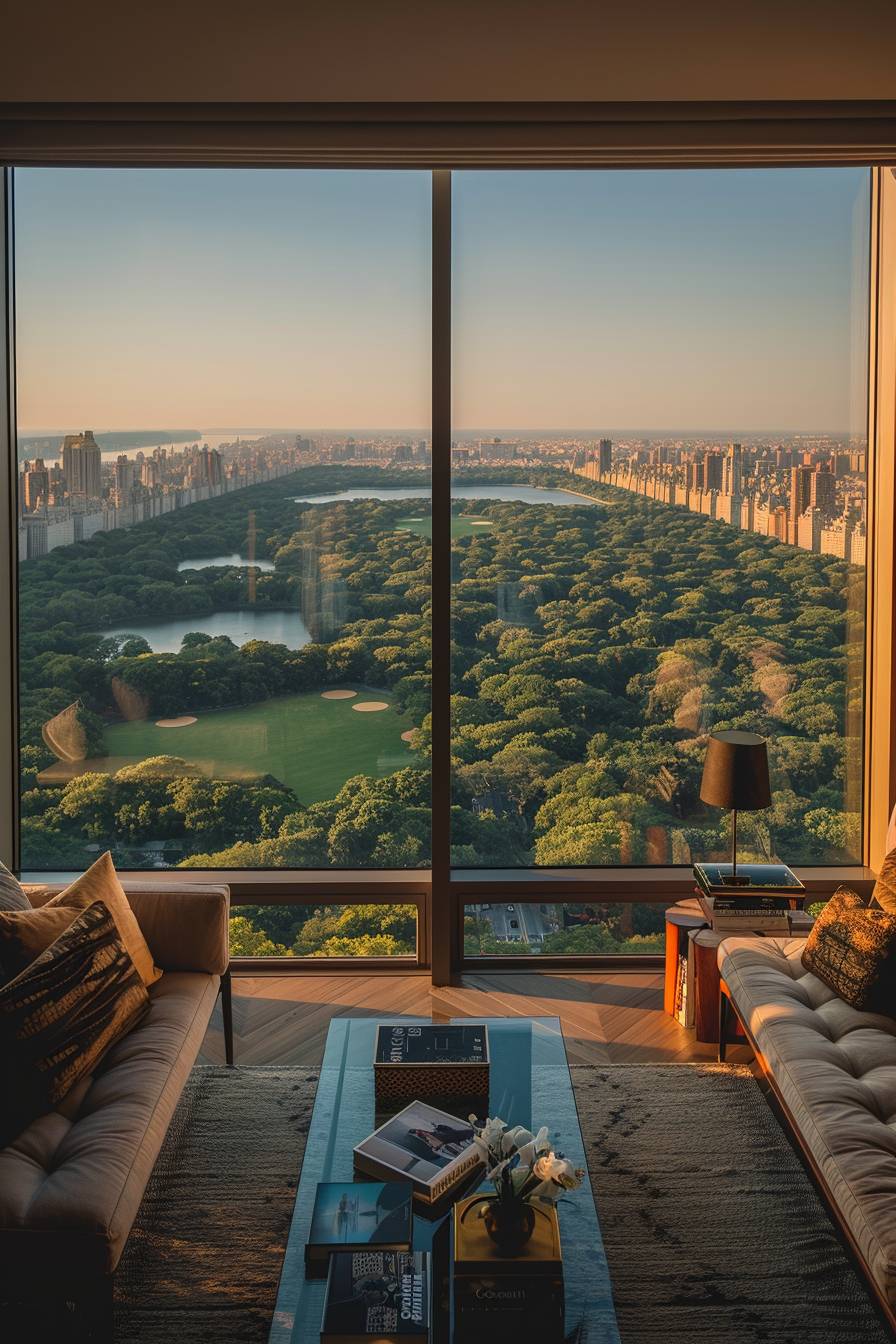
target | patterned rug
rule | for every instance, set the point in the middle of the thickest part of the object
(713, 1230)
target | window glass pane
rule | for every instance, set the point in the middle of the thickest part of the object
(660, 386)
(323, 931)
(597, 928)
(224, 591)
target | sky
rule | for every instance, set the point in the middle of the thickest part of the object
(732, 299)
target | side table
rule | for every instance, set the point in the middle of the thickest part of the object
(685, 921)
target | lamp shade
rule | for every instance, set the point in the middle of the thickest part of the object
(735, 772)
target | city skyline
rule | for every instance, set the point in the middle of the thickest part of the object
(301, 298)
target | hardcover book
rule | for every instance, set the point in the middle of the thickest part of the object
(747, 918)
(476, 1253)
(431, 1061)
(354, 1215)
(754, 878)
(430, 1148)
(377, 1297)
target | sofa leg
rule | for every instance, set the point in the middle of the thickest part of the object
(227, 1015)
(724, 1012)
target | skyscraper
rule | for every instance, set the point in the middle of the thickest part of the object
(605, 456)
(800, 499)
(81, 463)
(823, 488)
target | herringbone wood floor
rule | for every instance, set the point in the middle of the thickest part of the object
(611, 1018)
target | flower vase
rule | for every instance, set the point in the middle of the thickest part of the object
(510, 1223)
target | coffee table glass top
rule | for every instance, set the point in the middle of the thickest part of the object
(530, 1085)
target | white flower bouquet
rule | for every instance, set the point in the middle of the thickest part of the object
(523, 1166)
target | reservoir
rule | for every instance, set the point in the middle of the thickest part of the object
(235, 561)
(519, 494)
(276, 627)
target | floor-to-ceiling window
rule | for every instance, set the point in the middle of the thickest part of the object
(659, 455)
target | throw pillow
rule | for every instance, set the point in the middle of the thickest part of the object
(60, 1016)
(12, 893)
(100, 883)
(884, 893)
(24, 934)
(852, 949)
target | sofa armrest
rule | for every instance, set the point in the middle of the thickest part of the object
(186, 927)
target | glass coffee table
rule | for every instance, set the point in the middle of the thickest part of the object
(529, 1085)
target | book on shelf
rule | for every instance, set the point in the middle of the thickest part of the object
(428, 1147)
(354, 1215)
(413, 1061)
(747, 918)
(377, 1297)
(763, 879)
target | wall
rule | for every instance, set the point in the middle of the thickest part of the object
(434, 50)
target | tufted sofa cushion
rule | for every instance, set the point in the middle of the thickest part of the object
(836, 1070)
(71, 1183)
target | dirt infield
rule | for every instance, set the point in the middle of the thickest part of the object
(183, 722)
(370, 706)
(338, 695)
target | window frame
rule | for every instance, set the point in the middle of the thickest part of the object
(439, 138)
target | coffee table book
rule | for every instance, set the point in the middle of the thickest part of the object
(499, 1297)
(378, 1297)
(754, 879)
(428, 1147)
(355, 1216)
(435, 1061)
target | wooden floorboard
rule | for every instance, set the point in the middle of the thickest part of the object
(607, 1018)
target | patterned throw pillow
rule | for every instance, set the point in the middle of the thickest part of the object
(12, 893)
(100, 883)
(884, 893)
(852, 949)
(60, 1016)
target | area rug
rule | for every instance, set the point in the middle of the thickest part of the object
(712, 1228)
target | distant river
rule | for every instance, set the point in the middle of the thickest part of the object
(523, 494)
(230, 561)
(277, 627)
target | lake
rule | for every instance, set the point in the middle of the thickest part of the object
(520, 494)
(276, 627)
(230, 561)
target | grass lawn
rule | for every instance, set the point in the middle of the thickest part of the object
(461, 526)
(311, 744)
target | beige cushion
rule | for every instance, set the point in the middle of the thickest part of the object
(24, 934)
(884, 892)
(12, 894)
(77, 1184)
(836, 1069)
(100, 883)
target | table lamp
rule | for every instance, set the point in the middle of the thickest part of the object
(735, 775)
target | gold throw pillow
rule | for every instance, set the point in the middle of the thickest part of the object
(852, 949)
(60, 1016)
(884, 892)
(100, 883)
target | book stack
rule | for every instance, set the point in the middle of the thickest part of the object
(378, 1297)
(760, 902)
(500, 1299)
(684, 998)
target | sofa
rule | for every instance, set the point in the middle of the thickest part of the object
(832, 1071)
(72, 1182)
